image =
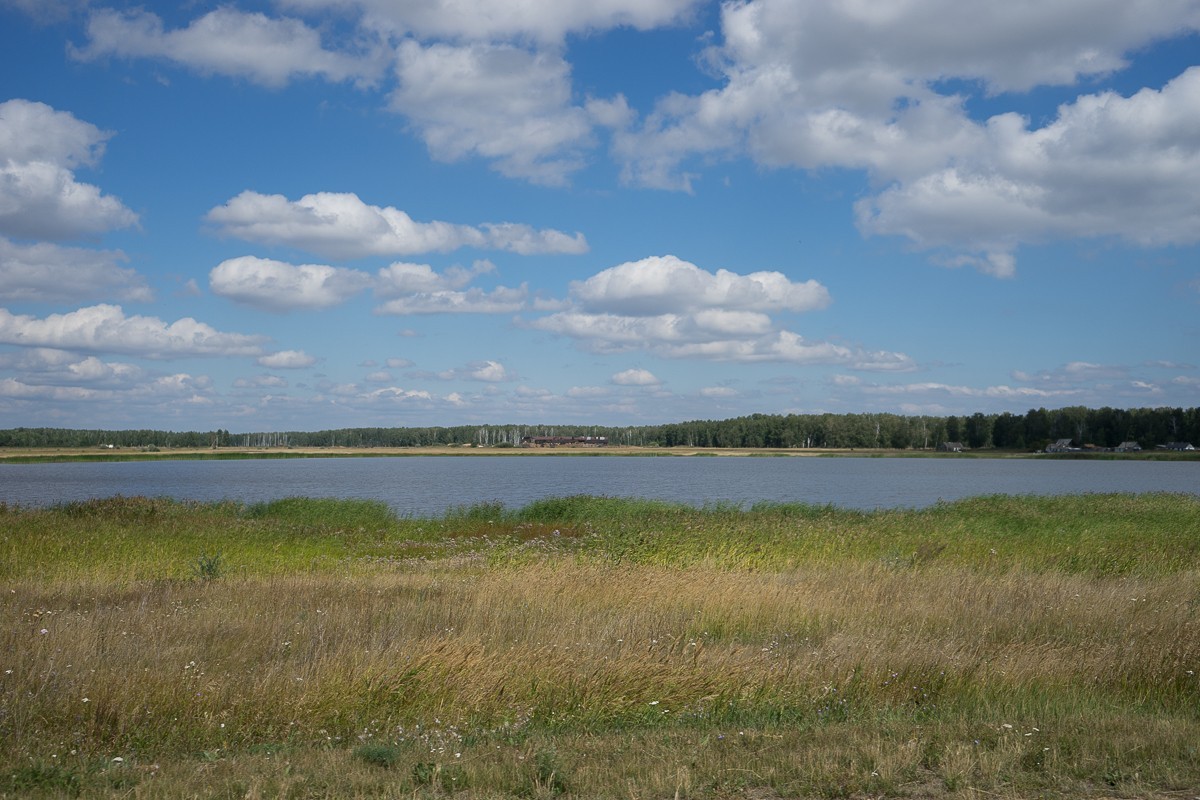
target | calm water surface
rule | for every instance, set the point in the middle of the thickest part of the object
(430, 485)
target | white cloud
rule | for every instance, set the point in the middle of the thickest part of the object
(635, 377)
(261, 382)
(484, 371)
(677, 310)
(673, 336)
(666, 284)
(35, 132)
(546, 20)
(790, 348)
(106, 328)
(584, 392)
(279, 286)
(1001, 391)
(48, 367)
(171, 391)
(851, 85)
(229, 42)
(341, 225)
(501, 300)
(611, 332)
(287, 359)
(398, 363)
(1010, 47)
(402, 278)
(51, 273)
(395, 394)
(718, 392)
(39, 196)
(1107, 166)
(413, 288)
(1073, 373)
(497, 102)
(489, 371)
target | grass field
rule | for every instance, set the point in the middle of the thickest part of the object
(600, 648)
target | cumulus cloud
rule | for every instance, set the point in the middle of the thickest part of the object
(463, 85)
(395, 394)
(405, 288)
(287, 359)
(39, 196)
(226, 41)
(280, 286)
(106, 328)
(49, 367)
(1106, 166)
(676, 336)
(861, 86)
(548, 21)
(507, 105)
(488, 371)
(677, 310)
(50, 273)
(635, 377)
(403, 278)
(666, 284)
(341, 225)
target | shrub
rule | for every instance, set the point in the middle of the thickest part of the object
(380, 755)
(208, 567)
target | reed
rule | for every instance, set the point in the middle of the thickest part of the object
(590, 647)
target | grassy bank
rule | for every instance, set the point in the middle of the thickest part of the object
(590, 647)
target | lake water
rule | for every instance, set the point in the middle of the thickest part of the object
(428, 486)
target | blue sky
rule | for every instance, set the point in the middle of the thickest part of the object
(307, 214)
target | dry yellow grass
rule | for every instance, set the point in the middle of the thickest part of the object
(564, 674)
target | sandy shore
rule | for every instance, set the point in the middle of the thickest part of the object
(325, 452)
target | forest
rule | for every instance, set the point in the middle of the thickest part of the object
(1101, 428)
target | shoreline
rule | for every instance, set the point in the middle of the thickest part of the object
(33, 455)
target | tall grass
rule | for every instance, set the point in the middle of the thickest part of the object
(592, 647)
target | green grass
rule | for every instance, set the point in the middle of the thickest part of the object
(596, 647)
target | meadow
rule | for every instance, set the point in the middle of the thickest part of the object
(590, 647)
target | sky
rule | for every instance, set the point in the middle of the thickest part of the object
(314, 214)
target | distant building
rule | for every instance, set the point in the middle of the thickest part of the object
(1061, 446)
(564, 441)
(1128, 447)
(951, 447)
(1176, 446)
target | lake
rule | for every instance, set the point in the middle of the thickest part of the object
(429, 485)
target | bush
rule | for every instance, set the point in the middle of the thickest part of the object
(208, 567)
(380, 755)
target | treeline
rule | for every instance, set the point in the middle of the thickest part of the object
(1103, 427)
